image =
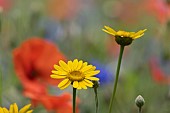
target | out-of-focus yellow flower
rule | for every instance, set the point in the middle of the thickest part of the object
(75, 72)
(14, 109)
(123, 37)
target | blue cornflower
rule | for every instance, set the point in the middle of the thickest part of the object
(105, 75)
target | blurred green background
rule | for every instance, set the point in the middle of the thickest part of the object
(75, 26)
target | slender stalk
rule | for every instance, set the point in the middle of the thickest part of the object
(140, 110)
(0, 88)
(1, 17)
(96, 100)
(117, 77)
(74, 100)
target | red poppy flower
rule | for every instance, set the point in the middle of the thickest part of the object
(59, 104)
(157, 73)
(33, 62)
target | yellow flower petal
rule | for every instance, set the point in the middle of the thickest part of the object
(58, 76)
(25, 108)
(75, 84)
(123, 33)
(64, 65)
(109, 30)
(80, 64)
(92, 69)
(87, 84)
(70, 64)
(1, 110)
(92, 78)
(59, 72)
(75, 64)
(140, 32)
(92, 73)
(86, 68)
(138, 36)
(15, 108)
(82, 85)
(66, 85)
(30, 111)
(5, 110)
(88, 81)
(11, 108)
(84, 64)
(63, 83)
(58, 68)
(79, 87)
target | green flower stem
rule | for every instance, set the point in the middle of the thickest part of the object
(140, 110)
(96, 100)
(0, 88)
(74, 100)
(117, 77)
(1, 19)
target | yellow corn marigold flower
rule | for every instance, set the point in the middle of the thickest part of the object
(14, 109)
(123, 37)
(77, 73)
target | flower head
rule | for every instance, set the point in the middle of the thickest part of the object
(33, 60)
(123, 37)
(139, 101)
(105, 74)
(78, 73)
(14, 109)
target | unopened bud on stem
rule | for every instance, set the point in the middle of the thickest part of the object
(139, 101)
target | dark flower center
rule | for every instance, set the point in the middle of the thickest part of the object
(124, 41)
(76, 76)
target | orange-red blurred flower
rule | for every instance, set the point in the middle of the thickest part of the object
(33, 62)
(63, 9)
(157, 73)
(59, 104)
(159, 8)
